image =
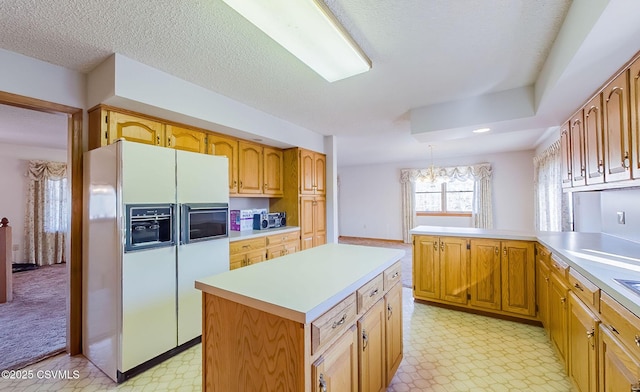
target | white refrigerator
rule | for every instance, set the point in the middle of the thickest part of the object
(139, 301)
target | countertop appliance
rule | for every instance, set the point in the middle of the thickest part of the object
(156, 220)
(269, 220)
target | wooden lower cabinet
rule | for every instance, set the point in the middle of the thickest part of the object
(393, 330)
(337, 369)
(558, 293)
(440, 265)
(583, 345)
(518, 277)
(619, 369)
(485, 291)
(371, 349)
(542, 286)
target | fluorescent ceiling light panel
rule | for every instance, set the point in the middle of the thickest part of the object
(481, 130)
(308, 30)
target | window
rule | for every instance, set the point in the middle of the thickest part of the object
(55, 206)
(444, 198)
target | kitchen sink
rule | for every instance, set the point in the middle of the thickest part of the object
(633, 285)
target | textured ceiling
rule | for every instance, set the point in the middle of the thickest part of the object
(423, 52)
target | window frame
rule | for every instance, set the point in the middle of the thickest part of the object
(443, 203)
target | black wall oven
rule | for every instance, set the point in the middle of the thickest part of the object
(149, 226)
(204, 221)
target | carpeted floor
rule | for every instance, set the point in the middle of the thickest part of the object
(33, 325)
(407, 260)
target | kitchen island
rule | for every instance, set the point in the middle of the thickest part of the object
(327, 317)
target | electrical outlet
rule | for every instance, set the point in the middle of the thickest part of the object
(16, 247)
(621, 218)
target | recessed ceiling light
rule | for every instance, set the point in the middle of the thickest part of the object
(481, 130)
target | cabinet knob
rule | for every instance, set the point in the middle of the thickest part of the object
(442, 246)
(240, 184)
(625, 161)
(339, 322)
(435, 246)
(389, 311)
(504, 251)
(637, 340)
(497, 251)
(591, 333)
(322, 383)
(365, 339)
(374, 292)
(563, 300)
(577, 286)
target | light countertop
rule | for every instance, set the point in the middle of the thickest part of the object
(601, 258)
(248, 234)
(303, 285)
(474, 232)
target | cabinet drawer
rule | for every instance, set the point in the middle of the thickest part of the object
(584, 289)
(560, 267)
(278, 239)
(392, 275)
(333, 323)
(369, 293)
(246, 245)
(624, 324)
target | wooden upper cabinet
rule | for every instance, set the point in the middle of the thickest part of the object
(250, 168)
(593, 141)
(634, 93)
(578, 164)
(312, 173)
(617, 138)
(565, 155)
(224, 146)
(134, 129)
(186, 139)
(273, 171)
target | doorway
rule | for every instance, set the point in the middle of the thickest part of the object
(74, 245)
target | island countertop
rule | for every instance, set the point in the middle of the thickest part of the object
(474, 232)
(303, 285)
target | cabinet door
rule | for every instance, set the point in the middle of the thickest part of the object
(426, 267)
(393, 329)
(320, 173)
(634, 92)
(453, 270)
(593, 138)
(337, 368)
(237, 261)
(319, 221)
(565, 155)
(617, 139)
(518, 277)
(583, 330)
(558, 316)
(291, 247)
(371, 347)
(256, 256)
(250, 168)
(484, 288)
(578, 165)
(275, 251)
(273, 171)
(307, 231)
(186, 139)
(307, 171)
(222, 146)
(135, 129)
(619, 370)
(542, 292)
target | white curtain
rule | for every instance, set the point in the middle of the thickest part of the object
(548, 190)
(482, 213)
(47, 212)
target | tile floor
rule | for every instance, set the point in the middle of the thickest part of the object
(444, 350)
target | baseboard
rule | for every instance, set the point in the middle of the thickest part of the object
(370, 239)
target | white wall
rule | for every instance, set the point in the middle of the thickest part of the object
(14, 163)
(370, 198)
(623, 200)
